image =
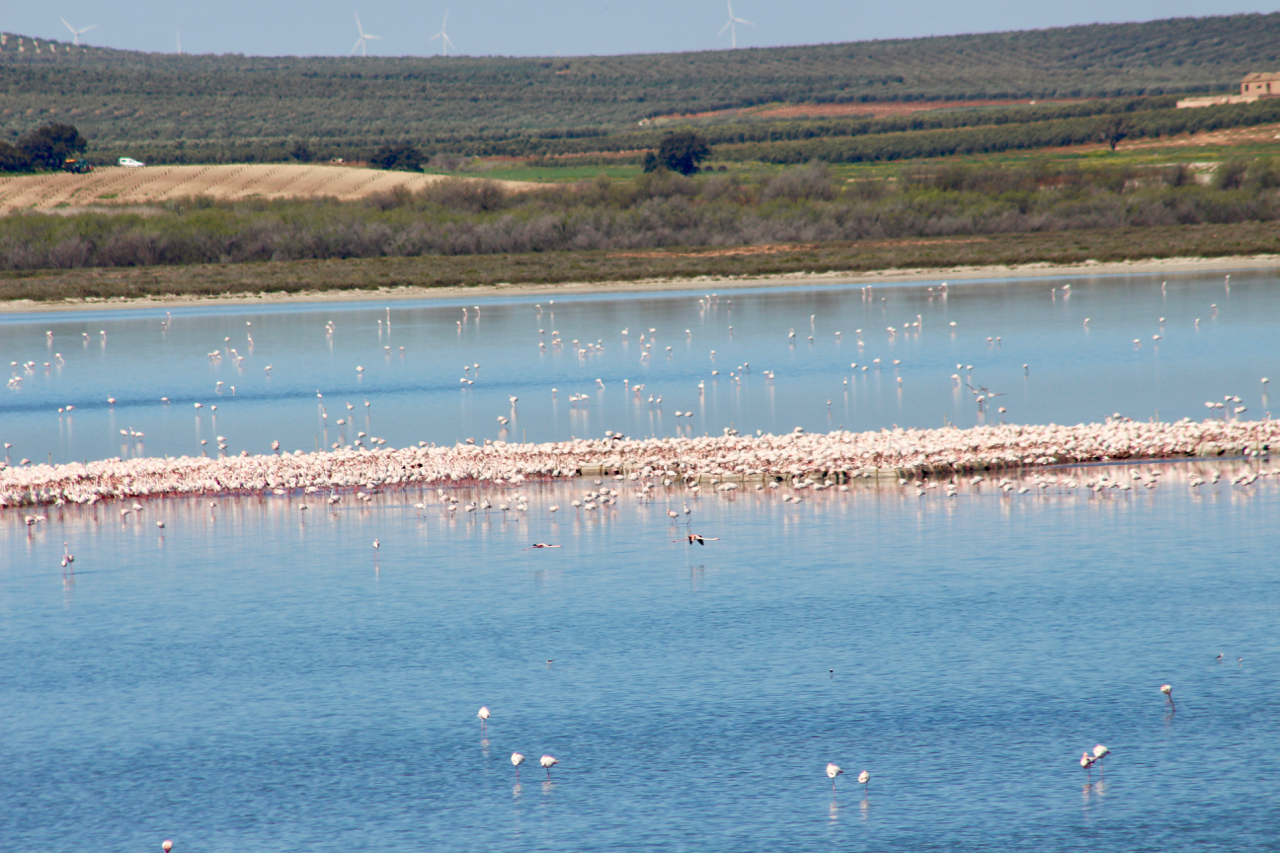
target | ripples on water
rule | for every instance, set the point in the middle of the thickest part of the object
(260, 678)
(1073, 373)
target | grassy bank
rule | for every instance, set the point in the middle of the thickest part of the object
(1104, 245)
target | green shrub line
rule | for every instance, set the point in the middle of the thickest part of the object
(550, 268)
(656, 210)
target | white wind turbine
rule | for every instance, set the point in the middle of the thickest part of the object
(729, 25)
(75, 34)
(445, 41)
(362, 43)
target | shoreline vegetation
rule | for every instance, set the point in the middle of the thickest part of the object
(1095, 251)
(659, 226)
(724, 463)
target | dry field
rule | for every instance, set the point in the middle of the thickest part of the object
(870, 109)
(116, 185)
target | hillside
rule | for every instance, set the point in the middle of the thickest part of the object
(255, 107)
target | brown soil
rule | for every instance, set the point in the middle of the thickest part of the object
(116, 185)
(875, 109)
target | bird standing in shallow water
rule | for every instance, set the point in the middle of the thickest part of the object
(1100, 752)
(833, 770)
(517, 759)
(1167, 690)
(865, 778)
(483, 714)
(547, 762)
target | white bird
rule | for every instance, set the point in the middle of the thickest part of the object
(517, 759)
(1100, 752)
(863, 778)
(160, 524)
(1167, 690)
(547, 762)
(833, 770)
(483, 714)
(376, 544)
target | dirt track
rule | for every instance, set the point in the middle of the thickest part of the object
(117, 185)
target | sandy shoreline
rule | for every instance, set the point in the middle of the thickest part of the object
(959, 273)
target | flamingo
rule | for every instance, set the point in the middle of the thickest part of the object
(833, 770)
(542, 545)
(1086, 761)
(166, 845)
(517, 759)
(1100, 752)
(694, 537)
(1167, 690)
(483, 714)
(547, 763)
(376, 544)
(864, 778)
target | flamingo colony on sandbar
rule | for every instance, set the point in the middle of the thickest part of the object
(726, 463)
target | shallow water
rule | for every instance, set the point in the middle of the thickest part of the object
(1073, 373)
(260, 678)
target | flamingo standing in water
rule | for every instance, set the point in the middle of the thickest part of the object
(548, 762)
(1167, 690)
(1100, 752)
(833, 770)
(864, 778)
(517, 759)
(483, 714)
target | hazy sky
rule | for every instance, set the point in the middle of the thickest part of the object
(568, 27)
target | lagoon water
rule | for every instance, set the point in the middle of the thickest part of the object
(259, 677)
(1073, 373)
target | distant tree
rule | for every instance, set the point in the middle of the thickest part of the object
(404, 157)
(679, 152)
(12, 159)
(301, 152)
(49, 146)
(1113, 130)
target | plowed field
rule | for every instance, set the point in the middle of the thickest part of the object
(117, 185)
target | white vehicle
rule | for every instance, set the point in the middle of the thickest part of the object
(130, 162)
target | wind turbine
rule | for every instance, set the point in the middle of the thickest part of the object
(729, 25)
(75, 34)
(445, 41)
(362, 43)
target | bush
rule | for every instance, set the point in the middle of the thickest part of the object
(400, 157)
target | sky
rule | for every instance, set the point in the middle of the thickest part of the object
(552, 27)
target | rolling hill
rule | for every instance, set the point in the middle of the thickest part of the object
(224, 108)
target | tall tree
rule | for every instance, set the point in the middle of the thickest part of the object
(680, 152)
(49, 146)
